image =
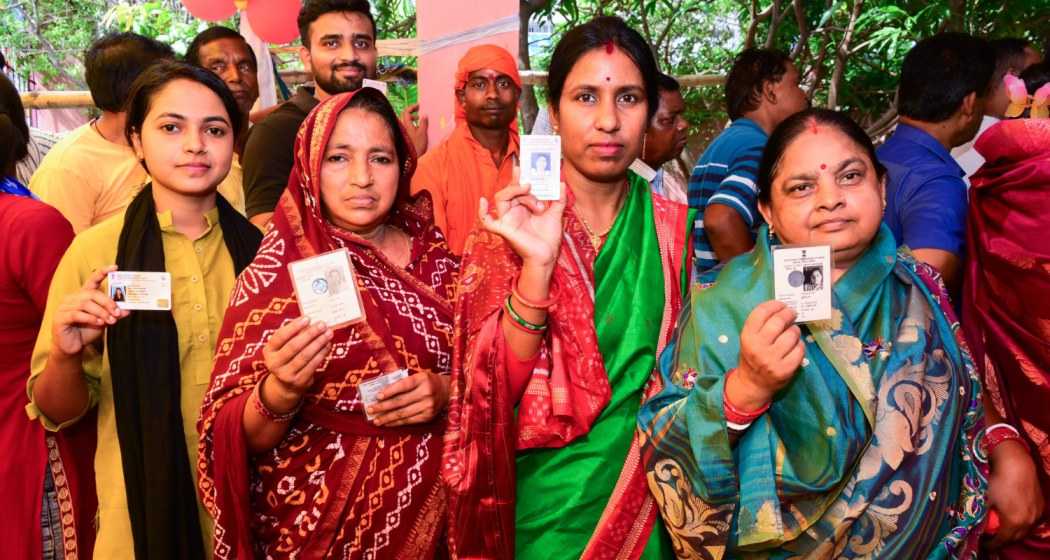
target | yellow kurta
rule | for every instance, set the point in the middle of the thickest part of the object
(202, 277)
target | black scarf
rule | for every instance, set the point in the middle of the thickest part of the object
(144, 365)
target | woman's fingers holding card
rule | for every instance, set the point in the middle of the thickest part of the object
(417, 398)
(293, 346)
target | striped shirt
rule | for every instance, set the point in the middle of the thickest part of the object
(726, 174)
(40, 143)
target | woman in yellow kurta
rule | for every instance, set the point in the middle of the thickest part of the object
(147, 371)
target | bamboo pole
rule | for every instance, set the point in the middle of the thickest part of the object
(82, 99)
(57, 99)
(386, 47)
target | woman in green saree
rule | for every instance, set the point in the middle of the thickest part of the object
(846, 438)
(563, 308)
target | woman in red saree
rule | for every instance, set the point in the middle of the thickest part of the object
(289, 464)
(1005, 304)
(563, 308)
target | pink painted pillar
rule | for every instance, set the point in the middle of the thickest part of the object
(438, 21)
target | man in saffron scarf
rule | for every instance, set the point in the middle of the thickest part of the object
(289, 465)
(563, 308)
(1005, 306)
(476, 160)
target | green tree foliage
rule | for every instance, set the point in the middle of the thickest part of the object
(848, 51)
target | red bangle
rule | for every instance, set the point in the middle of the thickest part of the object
(733, 414)
(537, 305)
(997, 434)
(268, 414)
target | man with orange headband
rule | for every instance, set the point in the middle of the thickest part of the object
(477, 158)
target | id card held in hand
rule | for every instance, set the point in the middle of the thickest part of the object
(541, 165)
(140, 291)
(369, 390)
(326, 289)
(802, 280)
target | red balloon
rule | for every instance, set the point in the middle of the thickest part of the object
(274, 20)
(210, 10)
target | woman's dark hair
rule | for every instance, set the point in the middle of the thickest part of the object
(373, 101)
(1036, 76)
(151, 81)
(799, 123)
(752, 70)
(596, 34)
(14, 132)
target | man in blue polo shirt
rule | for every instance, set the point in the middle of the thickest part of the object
(761, 91)
(943, 87)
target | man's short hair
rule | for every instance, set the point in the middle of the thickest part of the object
(665, 82)
(112, 63)
(1010, 54)
(752, 69)
(193, 53)
(313, 9)
(940, 71)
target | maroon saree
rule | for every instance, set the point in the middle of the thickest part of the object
(336, 486)
(1006, 311)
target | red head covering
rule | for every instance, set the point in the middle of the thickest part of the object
(486, 57)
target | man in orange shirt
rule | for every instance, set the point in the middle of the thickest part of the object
(477, 158)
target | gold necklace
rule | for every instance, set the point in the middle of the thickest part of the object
(596, 239)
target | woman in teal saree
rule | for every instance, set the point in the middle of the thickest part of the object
(846, 438)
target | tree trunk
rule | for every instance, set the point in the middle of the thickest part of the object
(529, 107)
(956, 15)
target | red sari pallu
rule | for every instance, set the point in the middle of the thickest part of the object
(337, 486)
(1006, 301)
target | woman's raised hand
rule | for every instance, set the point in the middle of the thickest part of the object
(532, 227)
(771, 351)
(83, 316)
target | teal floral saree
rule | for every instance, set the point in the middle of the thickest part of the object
(867, 453)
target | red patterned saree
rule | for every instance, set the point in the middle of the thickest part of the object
(336, 486)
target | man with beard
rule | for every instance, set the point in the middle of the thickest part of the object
(665, 139)
(226, 54)
(478, 157)
(339, 51)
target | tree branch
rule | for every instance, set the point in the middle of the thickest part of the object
(841, 54)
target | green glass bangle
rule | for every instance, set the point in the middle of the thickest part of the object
(521, 320)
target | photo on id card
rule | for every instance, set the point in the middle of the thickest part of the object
(802, 280)
(326, 290)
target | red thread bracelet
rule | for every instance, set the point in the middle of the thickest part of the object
(733, 414)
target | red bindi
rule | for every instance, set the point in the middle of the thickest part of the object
(823, 166)
(609, 47)
(607, 78)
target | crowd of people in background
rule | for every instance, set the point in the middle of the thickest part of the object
(601, 375)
